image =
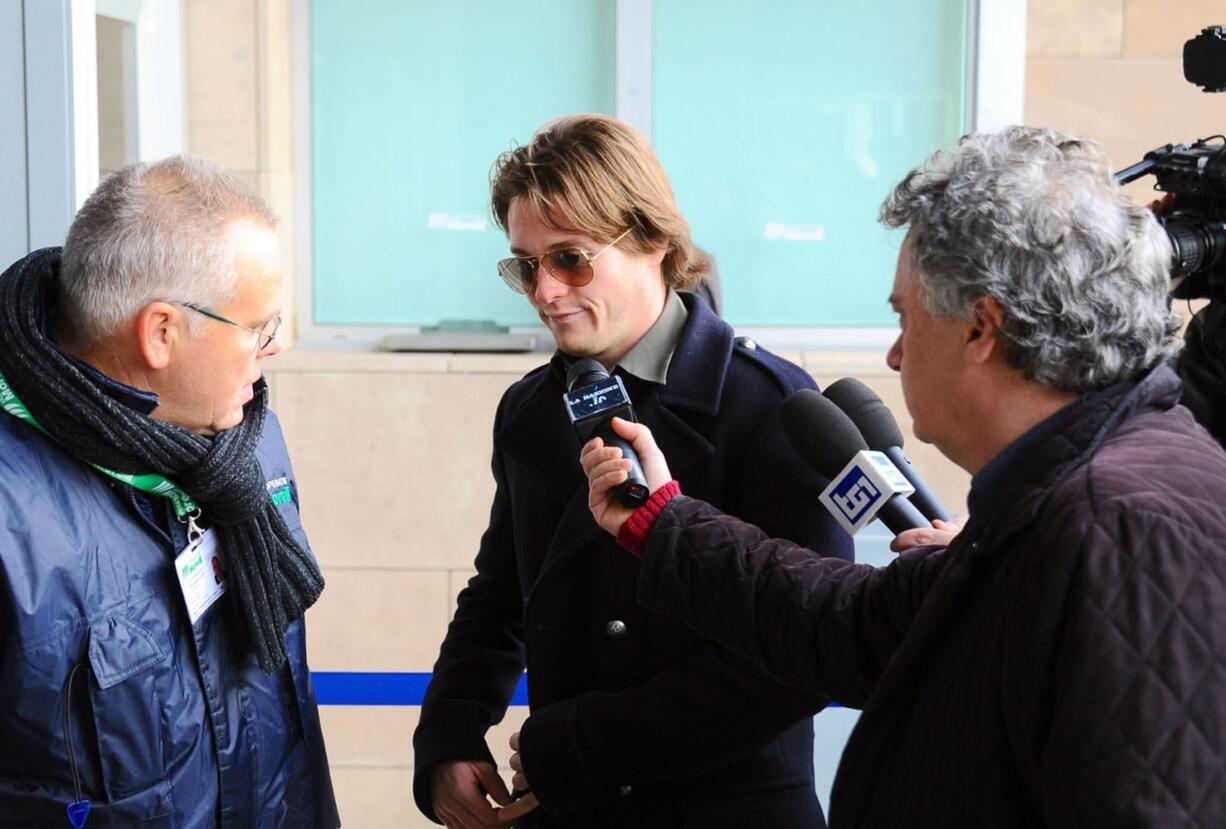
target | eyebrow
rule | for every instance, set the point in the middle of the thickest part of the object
(577, 243)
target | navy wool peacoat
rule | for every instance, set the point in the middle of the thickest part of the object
(635, 721)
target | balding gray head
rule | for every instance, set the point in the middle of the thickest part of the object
(153, 232)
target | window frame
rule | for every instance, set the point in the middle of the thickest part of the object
(995, 90)
(49, 118)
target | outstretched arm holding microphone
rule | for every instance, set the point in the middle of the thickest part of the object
(1057, 663)
(729, 581)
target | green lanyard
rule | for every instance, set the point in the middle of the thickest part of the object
(185, 507)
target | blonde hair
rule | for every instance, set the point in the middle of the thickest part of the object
(597, 175)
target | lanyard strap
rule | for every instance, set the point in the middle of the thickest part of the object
(185, 507)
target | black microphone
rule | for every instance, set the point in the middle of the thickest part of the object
(881, 432)
(863, 484)
(593, 399)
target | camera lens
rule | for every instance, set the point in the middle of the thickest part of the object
(1197, 241)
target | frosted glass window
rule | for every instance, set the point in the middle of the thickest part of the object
(411, 103)
(783, 126)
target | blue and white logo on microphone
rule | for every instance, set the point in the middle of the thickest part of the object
(854, 494)
(864, 486)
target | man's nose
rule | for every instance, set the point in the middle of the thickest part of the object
(547, 288)
(893, 357)
(272, 349)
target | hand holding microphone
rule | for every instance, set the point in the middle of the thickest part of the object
(607, 470)
(593, 399)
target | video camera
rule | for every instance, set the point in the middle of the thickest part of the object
(1195, 177)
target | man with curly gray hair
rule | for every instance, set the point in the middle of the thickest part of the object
(1021, 243)
(1061, 662)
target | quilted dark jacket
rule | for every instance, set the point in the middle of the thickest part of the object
(1062, 665)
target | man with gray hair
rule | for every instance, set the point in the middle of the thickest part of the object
(1062, 662)
(153, 568)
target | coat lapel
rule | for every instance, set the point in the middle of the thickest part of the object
(539, 435)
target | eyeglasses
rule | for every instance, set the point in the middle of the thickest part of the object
(570, 266)
(264, 334)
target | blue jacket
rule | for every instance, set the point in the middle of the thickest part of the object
(635, 720)
(170, 727)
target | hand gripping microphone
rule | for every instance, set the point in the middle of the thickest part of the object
(881, 432)
(863, 484)
(593, 399)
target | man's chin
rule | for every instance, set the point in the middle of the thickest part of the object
(575, 346)
(229, 422)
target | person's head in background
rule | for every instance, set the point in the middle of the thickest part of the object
(1027, 279)
(595, 232)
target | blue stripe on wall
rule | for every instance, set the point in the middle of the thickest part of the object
(332, 688)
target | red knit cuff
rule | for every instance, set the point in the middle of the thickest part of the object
(633, 534)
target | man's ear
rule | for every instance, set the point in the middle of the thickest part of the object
(983, 332)
(157, 331)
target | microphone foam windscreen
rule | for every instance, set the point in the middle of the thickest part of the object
(864, 407)
(585, 372)
(824, 436)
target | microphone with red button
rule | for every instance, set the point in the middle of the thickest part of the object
(593, 399)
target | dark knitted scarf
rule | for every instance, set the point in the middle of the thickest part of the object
(272, 580)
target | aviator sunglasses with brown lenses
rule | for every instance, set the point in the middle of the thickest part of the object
(569, 265)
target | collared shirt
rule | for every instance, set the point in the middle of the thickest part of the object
(649, 358)
(991, 486)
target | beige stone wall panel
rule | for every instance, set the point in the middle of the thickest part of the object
(370, 753)
(369, 735)
(393, 469)
(1130, 106)
(1159, 28)
(1074, 28)
(276, 87)
(378, 620)
(222, 82)
(377, 798)
(324, 360)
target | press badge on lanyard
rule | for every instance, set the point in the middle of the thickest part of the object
(202, 573)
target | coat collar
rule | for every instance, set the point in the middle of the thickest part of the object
(699, 367)
(1080, 431)
(538, 433)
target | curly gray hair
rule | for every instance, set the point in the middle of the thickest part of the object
(1033, 219)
